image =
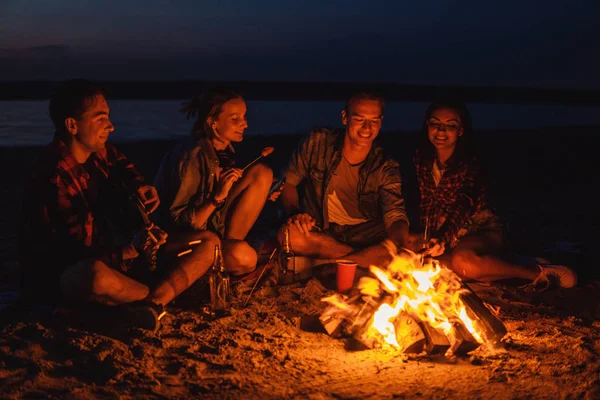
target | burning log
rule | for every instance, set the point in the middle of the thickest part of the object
(437, 342)
(409, 335)
(332, 324)
(462, 341)
(493, 329)
(414, 308)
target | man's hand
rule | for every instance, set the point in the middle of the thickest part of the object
(149, 196)
(226, 180)
(149, 240)
(303, 222)
(435, 247)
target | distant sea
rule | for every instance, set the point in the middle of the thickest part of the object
(26, 123)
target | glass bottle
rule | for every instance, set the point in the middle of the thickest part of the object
(286, 260)
(219, 283)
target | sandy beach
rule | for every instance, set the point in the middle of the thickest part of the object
(272, 348)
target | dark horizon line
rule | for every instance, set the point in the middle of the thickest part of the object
(308, 90)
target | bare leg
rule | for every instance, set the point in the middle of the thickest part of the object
(317, 244)
(188, 268)
(321, 245)
(246, 200)
(93, 280)
(474, 258)
(239, 257)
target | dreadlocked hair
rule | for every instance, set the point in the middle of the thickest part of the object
(207, 105)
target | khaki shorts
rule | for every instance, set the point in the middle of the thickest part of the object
(359, 236)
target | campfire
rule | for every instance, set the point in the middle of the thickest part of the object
(413, 306)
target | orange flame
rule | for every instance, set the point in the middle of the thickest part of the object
(428, 292)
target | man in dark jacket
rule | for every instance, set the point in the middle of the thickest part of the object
(352, 206)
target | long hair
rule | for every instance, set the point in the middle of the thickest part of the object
(207, 105)
(464, 144)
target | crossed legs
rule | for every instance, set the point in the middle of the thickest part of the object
(323, 246)
(93, 280)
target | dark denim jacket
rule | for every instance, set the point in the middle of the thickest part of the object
(379, 185)
(185, 179)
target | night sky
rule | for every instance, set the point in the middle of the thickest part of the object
(549, 44)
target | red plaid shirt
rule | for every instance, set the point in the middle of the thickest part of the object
(446, 208)
(59, 226)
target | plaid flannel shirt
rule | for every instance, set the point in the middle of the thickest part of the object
(460, 194)
(58, 226)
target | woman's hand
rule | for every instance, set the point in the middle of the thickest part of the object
(226, 180)
(435, 247)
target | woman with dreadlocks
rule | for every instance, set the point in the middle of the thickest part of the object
(200, 185)
(454, 209)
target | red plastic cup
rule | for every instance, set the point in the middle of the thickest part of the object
(346, 270)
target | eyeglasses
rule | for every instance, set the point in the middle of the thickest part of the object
(438, 126)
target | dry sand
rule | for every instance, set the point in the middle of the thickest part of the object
(274, 349)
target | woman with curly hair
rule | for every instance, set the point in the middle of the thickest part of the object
(455, 215)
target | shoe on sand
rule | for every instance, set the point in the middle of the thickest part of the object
(564, 276)
(551, 274)
(144, 314)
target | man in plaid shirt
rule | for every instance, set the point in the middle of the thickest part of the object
(69, 248)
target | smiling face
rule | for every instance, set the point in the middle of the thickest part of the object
(363, 122)
(444, 127)
(91, 129)
(230, 124)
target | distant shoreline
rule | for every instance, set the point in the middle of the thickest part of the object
(312, 90)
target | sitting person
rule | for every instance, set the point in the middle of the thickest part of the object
(72, 250)
(352, 205)
(201, 186)
(454, 209)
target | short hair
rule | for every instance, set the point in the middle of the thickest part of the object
(71, 99)
(364, 96)
(207, 105)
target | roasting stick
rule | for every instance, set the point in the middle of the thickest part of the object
(260, 276)
(266, 151)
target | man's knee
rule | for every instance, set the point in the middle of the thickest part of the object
(297, 240)
(240, 257)
(209, 238)
(87, 278)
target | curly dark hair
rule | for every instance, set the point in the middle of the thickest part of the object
(464, 145)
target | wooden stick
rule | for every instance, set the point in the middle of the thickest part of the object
(266, 151)
(260, 276)
(193, 242)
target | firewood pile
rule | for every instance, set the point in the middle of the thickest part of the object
(414, 306)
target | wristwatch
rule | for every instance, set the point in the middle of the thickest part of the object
(217, 203)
